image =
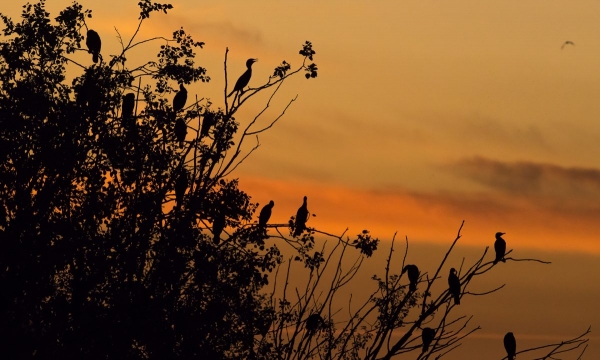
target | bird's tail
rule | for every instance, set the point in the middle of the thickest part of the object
(425, 348)
(231, 93)
(457, 299)
(412, 287)
(95, 58)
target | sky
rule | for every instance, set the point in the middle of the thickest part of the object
(424, 114)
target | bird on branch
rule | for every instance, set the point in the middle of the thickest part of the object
(301, 218)
(510, 345)
(454, 284)
(427, 336)
(180, 98)
(243, 80)
(180, 131)
(500, 247)
(93, 44)
(413, 276)
(265, 214)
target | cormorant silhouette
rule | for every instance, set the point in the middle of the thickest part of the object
(500, 247)
(180, 131)
(128, 106)
(209, 121)
(181, 185)
(413, 276)
(218, 226)
(301, 217)
(510, 345)
(313, 322)
(427, 335)
(568, 42)
(180, 98)
(265, 214)
(454, 284)
(93, 44)
(244, 79)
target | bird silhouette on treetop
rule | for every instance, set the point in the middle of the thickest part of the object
(454, 286)
(93, 44)
(301, 217)
(180, 98)
(500, 248)
(265, 214)
(413, 275)
(510, 345)
(180, 131)
(244, 79)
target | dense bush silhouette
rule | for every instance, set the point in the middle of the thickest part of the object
(123, 236)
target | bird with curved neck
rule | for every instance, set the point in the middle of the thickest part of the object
(265, 214)
(243, 80)
(500, 247)
(413, 276)
(301, 217)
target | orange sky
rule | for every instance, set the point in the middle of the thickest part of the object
(424, 114)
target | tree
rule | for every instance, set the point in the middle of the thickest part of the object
(119, 242)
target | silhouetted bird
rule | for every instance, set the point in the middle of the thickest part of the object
(413, 275)
(209, 121)
(181, 185)
(500, 247)
(313, 322)
(568, 42)
(180, 131)
(265, 214)
(454, 284)
(93, 44)
(218, 226)
(128, 106)
(243, 81)
(180, 98)
(427, 335)
(510, 344)
(301, 217)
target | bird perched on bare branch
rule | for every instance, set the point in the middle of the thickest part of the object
(510, 345)
(93, 44)
(244, 79)
(500, 247)
(454, 284)
(413, 275)
(301, 218)
(313, 322)
(265, 214)
(180, 131)
(568, 42)
(180, 98)
(427, 336)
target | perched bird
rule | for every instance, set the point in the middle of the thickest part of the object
(209, 121)
(243, 81)
(500, 247)
(427, 335)
(454, 284)
(180, 98)
(181, 185)
(413, 275)
(510, 344)
(301, 217)
(218, 226)
(93, 44)
(180, 131)
(568, 42)
(265, 214)
(128, 106)
(313, 322)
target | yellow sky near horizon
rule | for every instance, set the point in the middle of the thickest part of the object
(424, 114)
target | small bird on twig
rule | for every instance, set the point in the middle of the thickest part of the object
(510, 344)
(454, 284)
(413, 276)
(500, 247)
(93, 44)
(427, 335)
(301, 217)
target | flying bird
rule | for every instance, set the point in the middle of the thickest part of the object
(181, 185)
(427, 335)
(568, 42)
(218, 226)
(180, 98)
(500, 247)
(265, 214)
(93, 44)
(454, 284)
(301, 217)
(180, 131)
(313, 322)
(243, 81)
(510, 344)
(413, 276)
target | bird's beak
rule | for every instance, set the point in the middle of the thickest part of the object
(255, 60)
(502, 233)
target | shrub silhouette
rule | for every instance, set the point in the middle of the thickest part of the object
(122, 235)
